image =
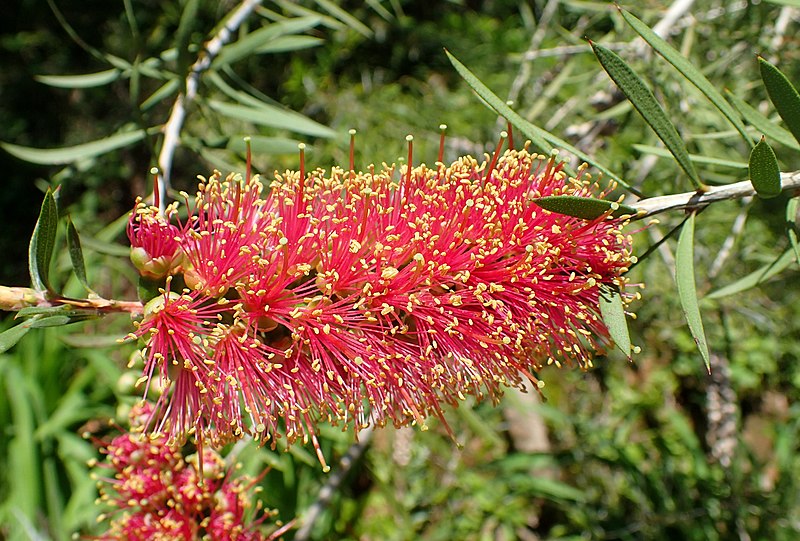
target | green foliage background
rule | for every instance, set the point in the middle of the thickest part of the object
(623, 451)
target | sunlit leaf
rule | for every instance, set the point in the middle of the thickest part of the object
(692, 74)
(756, 277)
(643, 100)
(541, 139)
(40, 250)
(612, 309)
(783, 95)
(765, 175)
(687, 289)
(170, 88)
(87, 80)
(272, 116)
(587, 208)
(64, 155)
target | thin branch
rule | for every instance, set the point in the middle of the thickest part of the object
(693, 200)
(328, 491)
(172, 129)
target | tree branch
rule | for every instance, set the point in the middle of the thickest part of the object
(172, 129)
(693, 200)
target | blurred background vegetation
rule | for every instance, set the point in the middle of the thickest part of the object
(654, 449)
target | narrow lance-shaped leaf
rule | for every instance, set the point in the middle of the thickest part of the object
(756, 277)
(76, 254)
(612, 309)
(587, 208)
(763, 124)
(692, 74)
(86, 80)
(541, 139)
(64, 155)
(687, 289)
(643, 100)
(276, 117)
(765, 175)
(783, 95)
(40, 250)
(10, 337)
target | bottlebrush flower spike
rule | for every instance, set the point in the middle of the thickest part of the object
(157, 493)
(379, 296)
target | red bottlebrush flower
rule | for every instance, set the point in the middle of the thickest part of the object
(158, 494)
(155, 250)
(379, 296)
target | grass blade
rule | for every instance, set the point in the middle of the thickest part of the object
(643, 100)
(692, 74)
(687, 289)
(765, 175)
(783, 95)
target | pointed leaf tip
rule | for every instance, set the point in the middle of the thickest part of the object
(687, 289)
(40, 250)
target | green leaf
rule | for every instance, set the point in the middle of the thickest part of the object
(285, 44)
(587, 208)
(64, 155)
(692, 74)
(49, 321)
(10, 337)
(763, 124)
(765, 175)
(687, 290)
(76, 254)
(344, 16)
(87, 80)
(264, 145)
(541, 139)
(40, 250)
(783, 96)
(184, 33)
(696, 158)
(272, 116)
(250, 43)
(612, 309)
(791, 224)
(166, 90)
(643, 100)
(756, 277)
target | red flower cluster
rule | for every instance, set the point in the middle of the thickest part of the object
(365, 297)
(157, 494)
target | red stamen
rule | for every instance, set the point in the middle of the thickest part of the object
(509, 129)
(410, 139)
(249, 158)
(503, 136)
(156, 188)
(352, 151)
(442, 129)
